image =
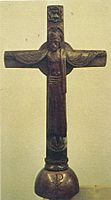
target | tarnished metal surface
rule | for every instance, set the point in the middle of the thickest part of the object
(56, 59)
(57, 185)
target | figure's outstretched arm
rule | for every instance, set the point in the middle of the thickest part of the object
(86, 58)
(25, 59)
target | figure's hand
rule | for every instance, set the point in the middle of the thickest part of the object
(8, 54)
(101, 54)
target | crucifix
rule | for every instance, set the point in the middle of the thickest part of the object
(56, 59)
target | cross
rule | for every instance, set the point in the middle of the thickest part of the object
(56, 59)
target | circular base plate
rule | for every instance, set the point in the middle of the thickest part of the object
(56, 184)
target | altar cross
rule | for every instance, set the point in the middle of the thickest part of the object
(55, 59)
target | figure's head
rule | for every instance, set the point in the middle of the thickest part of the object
(55, 38)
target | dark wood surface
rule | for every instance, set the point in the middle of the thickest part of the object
(56, 59)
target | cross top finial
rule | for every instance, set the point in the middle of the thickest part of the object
(55, 13)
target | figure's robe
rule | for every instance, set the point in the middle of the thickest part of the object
(56, 94)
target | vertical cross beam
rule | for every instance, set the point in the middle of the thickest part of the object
(56, 150)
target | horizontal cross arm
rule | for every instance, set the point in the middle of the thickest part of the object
(24, 59)
(86, 58)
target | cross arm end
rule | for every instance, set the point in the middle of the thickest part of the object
(23, 59)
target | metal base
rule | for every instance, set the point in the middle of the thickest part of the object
(56, 184)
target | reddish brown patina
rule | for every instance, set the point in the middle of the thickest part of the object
(56, 59)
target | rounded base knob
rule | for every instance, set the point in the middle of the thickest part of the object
(56, 184)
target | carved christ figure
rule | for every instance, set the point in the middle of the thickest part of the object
(56, 114)
(56, 85)
(56, 59)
